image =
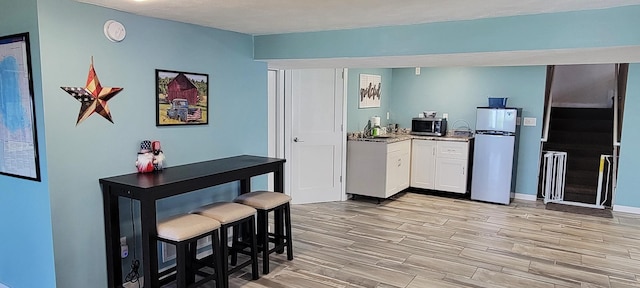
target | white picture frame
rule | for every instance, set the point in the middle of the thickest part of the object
(370, 91)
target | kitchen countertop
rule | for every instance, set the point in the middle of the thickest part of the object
(393, 137)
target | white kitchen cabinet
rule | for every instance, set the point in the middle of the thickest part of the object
(423, 164)
(440, 165)
(451, 166)
(378, 169)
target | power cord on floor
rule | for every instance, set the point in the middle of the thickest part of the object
(134, 274)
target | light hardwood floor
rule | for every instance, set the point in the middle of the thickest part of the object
(418, 240)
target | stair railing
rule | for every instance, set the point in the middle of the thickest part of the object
(601, 198)
(546, 122)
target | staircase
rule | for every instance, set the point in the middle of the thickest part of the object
(585, 134)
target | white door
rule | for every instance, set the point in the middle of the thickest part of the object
(316, 139)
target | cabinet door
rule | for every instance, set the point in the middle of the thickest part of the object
(451, 175)
(398, 167)
(423, 164)
(365, 168)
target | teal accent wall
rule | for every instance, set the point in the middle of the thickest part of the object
(26, 244)
(65, 34)
(357, 118)
(611, 27)
(70, 33)
(459, 90)
(627, 193)
(580, 29)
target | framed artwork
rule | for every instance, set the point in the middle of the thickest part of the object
(18, 137)
(182, 98)
(369, 91)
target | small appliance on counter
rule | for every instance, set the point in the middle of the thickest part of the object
(429, 126)
(373, 128)
(495, 154)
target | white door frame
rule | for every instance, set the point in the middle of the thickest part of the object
(283, 129)
(275, 138)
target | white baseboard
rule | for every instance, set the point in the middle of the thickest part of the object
(527, 197)
(626, 209)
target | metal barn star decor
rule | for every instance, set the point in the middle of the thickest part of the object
(93, 96)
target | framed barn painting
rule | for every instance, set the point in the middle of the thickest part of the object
(182, 98)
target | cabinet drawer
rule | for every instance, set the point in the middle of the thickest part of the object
(454, 150)
(399, 146)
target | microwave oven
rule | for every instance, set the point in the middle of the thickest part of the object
(428, 126)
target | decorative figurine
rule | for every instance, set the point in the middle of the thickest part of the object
(158, 155)
(145, 157)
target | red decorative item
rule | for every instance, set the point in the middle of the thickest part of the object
(93, 96)
(144, 163)
(158, 155)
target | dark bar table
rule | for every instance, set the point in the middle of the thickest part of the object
(149, 187)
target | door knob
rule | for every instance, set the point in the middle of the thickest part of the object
(297, 140)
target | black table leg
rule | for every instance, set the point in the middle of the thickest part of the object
(112, 236)
(149, 243)
(245, 186)
(278, 179)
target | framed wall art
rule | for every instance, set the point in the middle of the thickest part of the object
(18, 137)
(182, 98)
(369, 91)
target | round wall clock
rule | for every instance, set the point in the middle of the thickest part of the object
(114, 31)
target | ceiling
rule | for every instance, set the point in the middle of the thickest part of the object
(260, 17)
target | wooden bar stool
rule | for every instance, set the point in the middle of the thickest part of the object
(235, 215)
(265, 202)
(183, 231)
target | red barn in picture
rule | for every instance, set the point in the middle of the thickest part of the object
(181, 87)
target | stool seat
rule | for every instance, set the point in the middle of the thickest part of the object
(264, 200)
(226, 212)
(278, 203)
(183, 227)
(235, 216)
(184, 231)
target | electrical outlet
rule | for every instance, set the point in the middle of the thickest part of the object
(124, 249)
(417, 70)
(445, 115)
(529, 121)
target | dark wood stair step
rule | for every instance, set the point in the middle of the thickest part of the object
(583, 125)
(599, 138)
(581, 113)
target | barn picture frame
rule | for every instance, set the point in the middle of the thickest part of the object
(182, 98)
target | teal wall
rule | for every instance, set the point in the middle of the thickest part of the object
(357, 118)
(627, 193)
(26, 244)
(65, 34)
(581, 29)
(612, 27)
(459, 90)
(70, 34)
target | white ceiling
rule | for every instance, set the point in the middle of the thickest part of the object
(259, 17)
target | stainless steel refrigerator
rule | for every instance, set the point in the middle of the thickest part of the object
(495, 154)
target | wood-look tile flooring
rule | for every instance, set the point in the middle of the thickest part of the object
(417, 240)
